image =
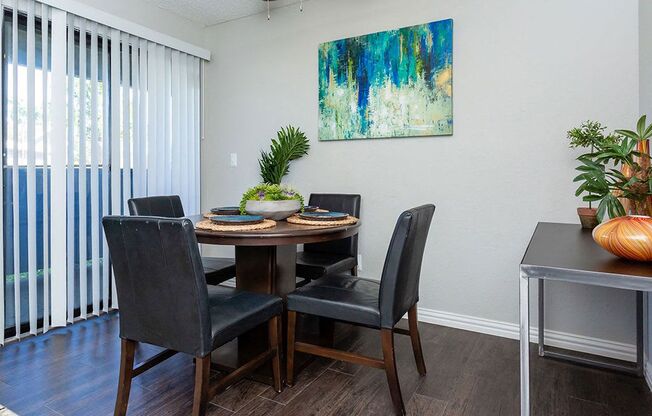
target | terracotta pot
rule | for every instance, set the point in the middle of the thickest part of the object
(588, 217)
(629, 237)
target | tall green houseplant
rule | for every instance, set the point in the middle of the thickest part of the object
(290, 144)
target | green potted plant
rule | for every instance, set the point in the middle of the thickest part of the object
(590, 135)
(600, 178)
(290, 144)
(272, 201)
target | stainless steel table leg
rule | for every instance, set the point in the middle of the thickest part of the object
(524, 328)
(640, 342)
(542, 316)
(636, 369)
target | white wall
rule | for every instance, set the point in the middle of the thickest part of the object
(645, 104)
(156, 18)
(524, 73)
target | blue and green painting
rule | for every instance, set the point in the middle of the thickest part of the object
(397, 83)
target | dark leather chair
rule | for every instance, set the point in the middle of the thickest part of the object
(217, 269)
(371, 303)
(164, 301)
(319, 259)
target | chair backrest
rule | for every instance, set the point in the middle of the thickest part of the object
(399, 284)
(160, 282)
(339, 203)
(157, 206)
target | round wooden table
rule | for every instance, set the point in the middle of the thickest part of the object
(265, 262)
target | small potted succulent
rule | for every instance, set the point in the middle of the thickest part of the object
(274, 202)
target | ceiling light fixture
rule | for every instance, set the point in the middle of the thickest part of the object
(269, 14)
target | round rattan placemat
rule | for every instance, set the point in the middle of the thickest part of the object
(347, 221)
(211, 226)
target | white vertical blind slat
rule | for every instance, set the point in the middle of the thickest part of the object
(95, 201)
(198, 132)
(183, 127)
(135, 119)
(58, 199)
(15, 171)
(116, 204)
(152, 125)
(70, 188)
(167, 154)
(31, 170)
(176, 110)
(126, 139)
(191, 133)
(45, 11)
(81, 172)
(141, 176)
(194, 137)
(2, 215)
(106, 160)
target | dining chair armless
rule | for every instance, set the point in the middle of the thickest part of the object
(217, 269)
(338, 256)
(370, 303)
(164, 301)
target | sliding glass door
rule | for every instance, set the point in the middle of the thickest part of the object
(126, 112)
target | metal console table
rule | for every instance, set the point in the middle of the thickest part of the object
(566, 252)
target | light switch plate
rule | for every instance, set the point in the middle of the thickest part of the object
(234, 160)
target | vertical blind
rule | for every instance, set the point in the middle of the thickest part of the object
(92, 116)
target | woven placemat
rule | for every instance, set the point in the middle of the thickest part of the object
(211, 226)
(295, 219)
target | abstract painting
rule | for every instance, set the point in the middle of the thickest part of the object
(397, 83)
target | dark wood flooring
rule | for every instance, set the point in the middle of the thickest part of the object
(73, 371)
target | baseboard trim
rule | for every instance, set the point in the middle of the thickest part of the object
(589, 345)
(574, 342)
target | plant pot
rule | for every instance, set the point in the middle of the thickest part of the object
(629, 237)
(588, 217)
(273, 210)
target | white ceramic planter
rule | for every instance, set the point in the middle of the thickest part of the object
(273, 210)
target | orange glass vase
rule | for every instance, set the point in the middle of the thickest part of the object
(629, 237)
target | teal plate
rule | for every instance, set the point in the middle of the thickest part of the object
(226, 211)
(323, 216)
(237, 219)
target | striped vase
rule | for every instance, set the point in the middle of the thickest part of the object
(629, 237)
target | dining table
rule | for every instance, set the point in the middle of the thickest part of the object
(265, 262)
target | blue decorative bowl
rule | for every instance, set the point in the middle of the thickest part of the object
(323, 216)
(237, 219)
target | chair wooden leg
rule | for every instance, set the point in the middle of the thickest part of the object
(202, 376)
(354, 271)
(387, 338)
(292, 321)
(127, 350)
(274, 326)
(416, 340)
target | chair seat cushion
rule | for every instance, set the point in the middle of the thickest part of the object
(342, 297)
(234, 312)
(313, 265)
(218, 269)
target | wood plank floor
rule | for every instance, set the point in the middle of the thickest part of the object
(73, 371)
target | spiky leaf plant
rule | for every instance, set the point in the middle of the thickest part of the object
(290, 144)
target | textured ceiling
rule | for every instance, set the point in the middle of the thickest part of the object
(210, 12)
